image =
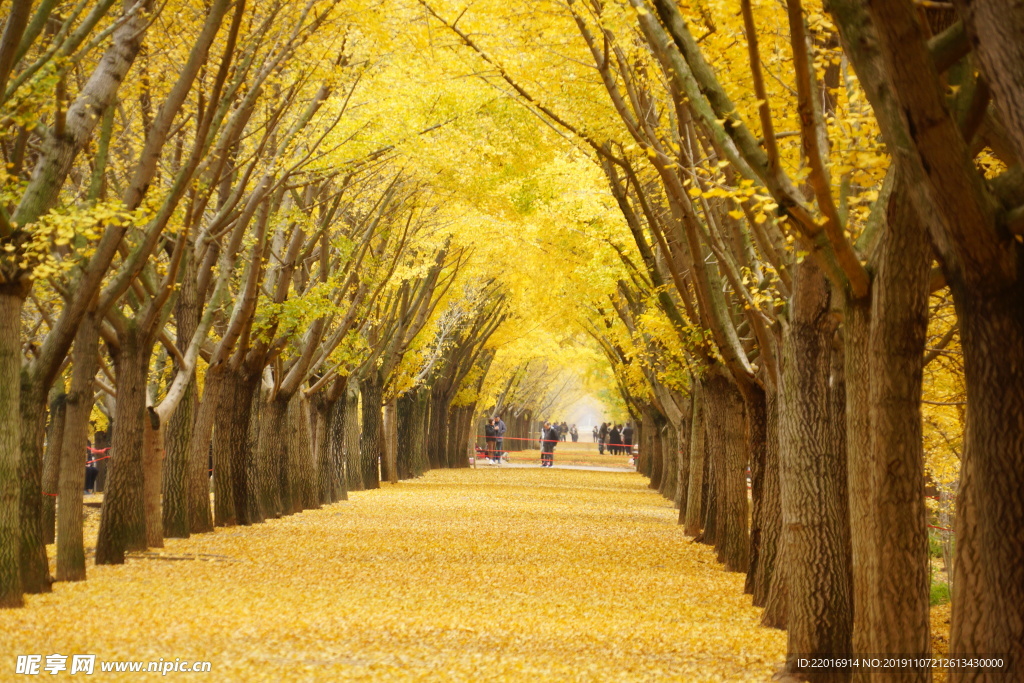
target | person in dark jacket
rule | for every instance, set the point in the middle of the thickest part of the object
(602, 437)
(499, 433)
(549, 437)
(615, 440)
(627, 437)
(490, 434)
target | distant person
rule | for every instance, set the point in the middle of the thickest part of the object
(596, 439)
(615, 440)
(549, 437)
(91, 471)
(627, 437)
(602, 438)
(499, 433)
(491, 437)
(574, 433)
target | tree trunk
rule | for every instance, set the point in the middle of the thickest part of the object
(152, 469)
(861, 474)
(70, 545)
(175, 484)
(336, 443)
(683, 467)
(695, 488)
(669, 460)
(232, 427)
(353, 473)
(389, 465)
(271, 458)
(51, 465)
(371, 441)
(992, 339)
(420, 424)
(123, 519)
(816, 526)
(225, 512)
(405, 408)
(304, 492)
(755, 409)
(35, 569)
(899, 318)
(200, 520)
(770, 586)
(437, 432)
(727, 445)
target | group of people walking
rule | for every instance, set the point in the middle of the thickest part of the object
(617, 439)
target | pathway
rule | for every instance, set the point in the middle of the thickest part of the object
(494, 573)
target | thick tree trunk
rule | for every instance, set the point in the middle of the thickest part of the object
(816, 526)
(70, 545)
(420, 425)
(389, 465)
(770, 586)
(371, 441)
(35, 569)
(670, 461)
(323, 417)
(683, 432)
(123, 519)
(305, 493)
(175, 484)
(271, 458)
(756, 410)
(225, 512)
(232, 427)
(653, 422)
(200, 520)
(152, 469)
(405, 408)
(727, 445)
(437, 432)
(861, 473)
(336, 444)
(695, 488)
(51, 465)
(353, 473)
(992, 339)
(899, 329)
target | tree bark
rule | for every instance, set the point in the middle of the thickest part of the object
(123, 518)
(770, 587)
(371, 441)
(51, 466)
(992, 339)
(353, 472)
(175, 481)
(899, 318)
(695, 488)
(152, 469)
(756, 411)
(729, 458)
(271, 458)
(389, 465)
(70, 545)
(815, 512)
(232, 427)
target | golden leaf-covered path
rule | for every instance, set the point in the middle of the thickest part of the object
(503, 574)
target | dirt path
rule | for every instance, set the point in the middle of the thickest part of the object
(510, 574)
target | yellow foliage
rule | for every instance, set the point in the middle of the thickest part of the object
(508, 574)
